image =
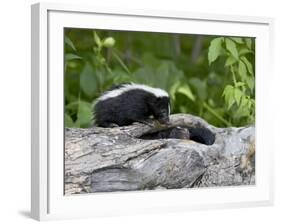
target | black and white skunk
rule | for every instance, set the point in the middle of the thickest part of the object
(127, 103)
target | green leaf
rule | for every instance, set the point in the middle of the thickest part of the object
(228, 94)
(215, 49)
(248, 43)
(69, 43)
(173, 89)
(239, 84)
(237, 40)
(97, 40)
(227, 90)
(242, 70)
(185, 90)
(237, 95)
(244, 51)
(253, 102)
(88, 82)
(231, 47)
(68, 121)
(71, 56)
(248, 65)
(243, 109)
(244, 101)
(242, 112)
(250, 82)
(84, 115)
(230, 61)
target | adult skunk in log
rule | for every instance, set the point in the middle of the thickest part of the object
(127, 103)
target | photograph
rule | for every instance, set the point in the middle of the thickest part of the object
(157, 111)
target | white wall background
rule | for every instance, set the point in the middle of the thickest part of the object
(15, 110)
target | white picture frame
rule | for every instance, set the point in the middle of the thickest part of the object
(47, 199)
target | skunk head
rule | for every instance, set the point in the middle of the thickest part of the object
(160, 107)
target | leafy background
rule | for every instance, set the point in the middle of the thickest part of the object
(208, 76)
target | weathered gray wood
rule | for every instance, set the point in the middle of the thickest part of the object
(115, 159)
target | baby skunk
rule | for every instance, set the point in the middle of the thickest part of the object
(173, 132)
(127, 103)
(197, 134)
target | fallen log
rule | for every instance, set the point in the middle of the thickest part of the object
(119, 159)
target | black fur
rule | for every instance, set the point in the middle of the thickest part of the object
(175, 132)
(200, 135)
(135, 105)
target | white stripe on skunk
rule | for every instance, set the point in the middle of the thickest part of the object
(127, 87)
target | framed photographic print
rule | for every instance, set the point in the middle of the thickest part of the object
(148, 111)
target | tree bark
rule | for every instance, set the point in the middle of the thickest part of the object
(117, 159)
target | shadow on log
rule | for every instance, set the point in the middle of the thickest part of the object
(118, 159)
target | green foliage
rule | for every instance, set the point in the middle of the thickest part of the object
(231, 48)
(239, 95)
(215, 81)
(215, 49)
